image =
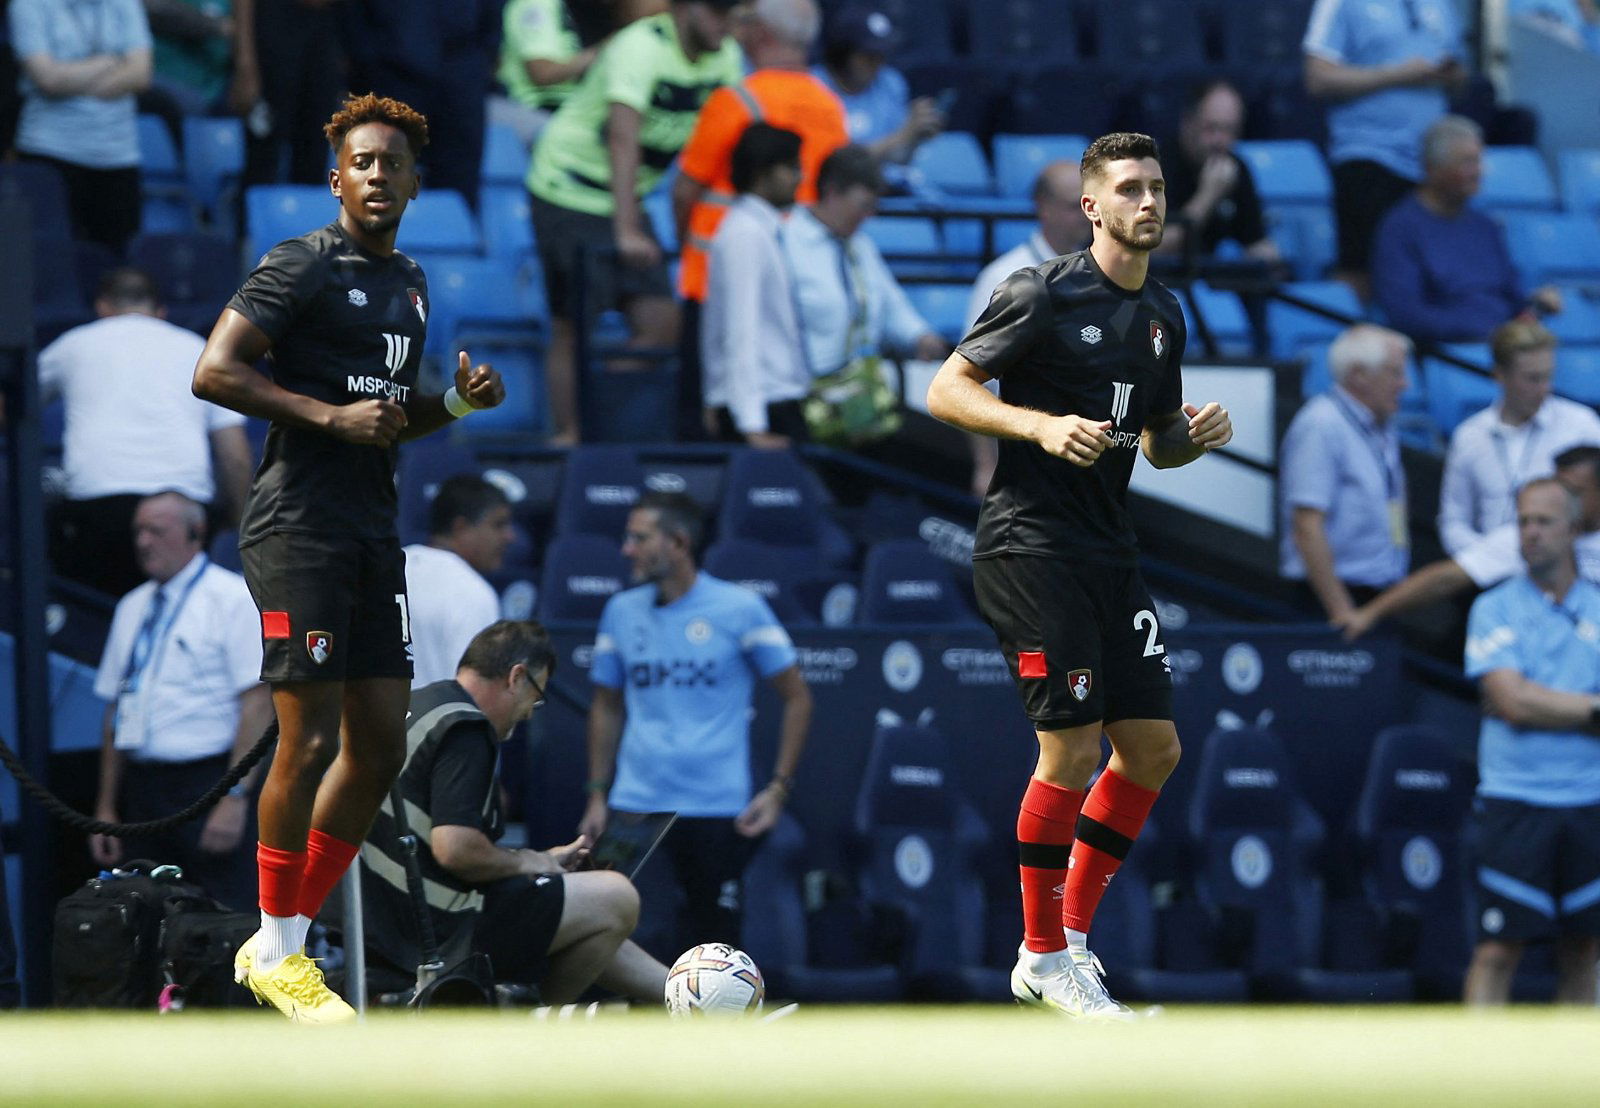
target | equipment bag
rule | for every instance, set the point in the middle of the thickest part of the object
(106, 952)
(199, 939)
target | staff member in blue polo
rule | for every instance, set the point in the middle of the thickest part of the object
(1342, 490)
(675, 666)
(1533, 644)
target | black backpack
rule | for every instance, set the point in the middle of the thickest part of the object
(198, 944)
(108, 936)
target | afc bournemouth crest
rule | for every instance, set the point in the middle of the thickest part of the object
(416, 302)
(1158, 339)
(319, 644)
(1080, 681)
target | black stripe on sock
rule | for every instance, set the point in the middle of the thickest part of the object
(1092, 832)
(1044, 855)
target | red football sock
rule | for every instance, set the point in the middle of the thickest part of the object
(326, 860)
(1044, 844)
(1112, 816)
(281, 873)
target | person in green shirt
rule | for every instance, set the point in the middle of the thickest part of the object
(604, 149)
(542, 58)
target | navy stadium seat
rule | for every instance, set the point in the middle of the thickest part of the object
(424, 465)
(696, 474)
(213, 160)
(46, 195)
(1288, 171)
(1154, 35)
(59, 301)
(600, 487)
(1515, 177)
(197, 273)
(1019, 158)
(581, 572)
(1003, 30)
(1263, 37)
(902, 581)
(922, 28)
(771, 497)
(224, 550)
(1580, 180)
(771, 572)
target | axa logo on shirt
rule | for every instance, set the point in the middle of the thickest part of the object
(682, 673)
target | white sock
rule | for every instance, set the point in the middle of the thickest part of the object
(1077, 941)
(1042, 962)
(281, 936)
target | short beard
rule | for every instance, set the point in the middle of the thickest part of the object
(1120, 233)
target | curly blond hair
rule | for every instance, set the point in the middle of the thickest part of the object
(378, 109)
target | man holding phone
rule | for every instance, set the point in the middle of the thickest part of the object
(877, 102)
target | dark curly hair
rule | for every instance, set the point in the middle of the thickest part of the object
(378, 109)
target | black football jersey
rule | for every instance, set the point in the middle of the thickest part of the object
(346, 325)
(1065, 340)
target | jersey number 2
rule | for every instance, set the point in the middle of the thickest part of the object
(405, 617)
(1145, 620)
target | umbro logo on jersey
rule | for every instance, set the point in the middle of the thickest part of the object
(1158, 339)
(397, 347)
(1091, 334)
(357, 297)
(1121, 392)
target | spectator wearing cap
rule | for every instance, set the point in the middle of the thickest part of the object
(133, 428)
(878, 107)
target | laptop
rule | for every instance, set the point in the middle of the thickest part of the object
(629, 839)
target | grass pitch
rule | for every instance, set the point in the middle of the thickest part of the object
(923, 1056)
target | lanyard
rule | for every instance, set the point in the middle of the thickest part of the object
(1376, 442)
(855, 287)
(153, 634)
(1514, 476)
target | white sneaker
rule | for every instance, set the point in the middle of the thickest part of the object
(1089, 975)
(1046, 981)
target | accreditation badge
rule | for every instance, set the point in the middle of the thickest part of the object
(131, 721)
(1399, 531)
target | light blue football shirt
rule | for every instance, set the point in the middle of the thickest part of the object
(1515, 626)
(1387, 126)
(688, 672)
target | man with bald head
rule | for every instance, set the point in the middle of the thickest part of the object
(1057, 196)
(184, 700)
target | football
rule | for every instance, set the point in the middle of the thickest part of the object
(714, 979)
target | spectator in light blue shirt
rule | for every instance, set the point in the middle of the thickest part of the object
(1575, 22)
(1387, 67)
(1343, 524)
(676, 660)
(879, 111)
(1533, 644)
(82, 62)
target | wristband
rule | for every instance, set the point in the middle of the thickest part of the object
(456, 404)
(597, 786)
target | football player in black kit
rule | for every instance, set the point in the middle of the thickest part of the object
(341, 316)
(1087, 350)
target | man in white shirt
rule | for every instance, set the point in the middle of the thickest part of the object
(133, 428)
(1498, 450)
(181, 675)
(449, 599)
(1063, 228)
(750, 345)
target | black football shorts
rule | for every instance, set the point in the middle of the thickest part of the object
(1538, 869)
(332, 608)
(518, 924)
(1083, 641)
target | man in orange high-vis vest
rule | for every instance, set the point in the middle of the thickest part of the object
(777, 38)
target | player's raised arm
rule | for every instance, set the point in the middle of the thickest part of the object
(1178, 438)
(476, 387)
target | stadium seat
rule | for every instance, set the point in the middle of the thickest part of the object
(167, 203)
(953, 162)
(904, 235)
(505, 158)
(1004, 30)
(530, 482)
(471, 297)
(692, 471)
(41, 185)
(1291, 328)
(1578, 321)
(1578, 373)
(1012, 232)
(1551, 247)
(438, 221)
(771, 572)
(224, 550)
(600, 487)
(1019, 158)
(922, 28)
(1307, 236)
(902, 581)
(274, 213)
(1454, 393)
(424, 465)
(1154, 35)
(507, 222)
(519, 359)
(1580, 180)
(59, 301)
(213, 160)
(771, 497)
(1263, 37)
(1288, 171)
(1408, 827)
(197, 273)
(581, 572)
(976, 90)
(1225, 320)
(1515, 177)
(943, 305)
(918, 841)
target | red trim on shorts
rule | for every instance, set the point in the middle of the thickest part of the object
(1030, 663)
(274, 625)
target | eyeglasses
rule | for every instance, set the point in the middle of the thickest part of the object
(537, 688)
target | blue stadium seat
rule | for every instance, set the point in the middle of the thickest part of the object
(953, 162)
(472, 299)
(507, 222)
(46, 194)
(439, 221)
(1290, 328)
(1454, 393)
(1012, 232)
(771, 572)
(1515, 177)
(1308, 237)
(197, 273)
(1019, 158)
(1288, 171)
(919, 841)
(581, 572)
(167, 203)
(520, 362)
(904, 234)
(1578, 321)
(600, 487)
(213, 160)
(1408, 826)
(1580, 180)
(1263, 37)
(273, 213)
(1005, 30)
(505, 158)
(902, 581)
(943, 305)
(1578, 373)
(424, 465)
(1554, 247)
(771, 497)
(1224, 317)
